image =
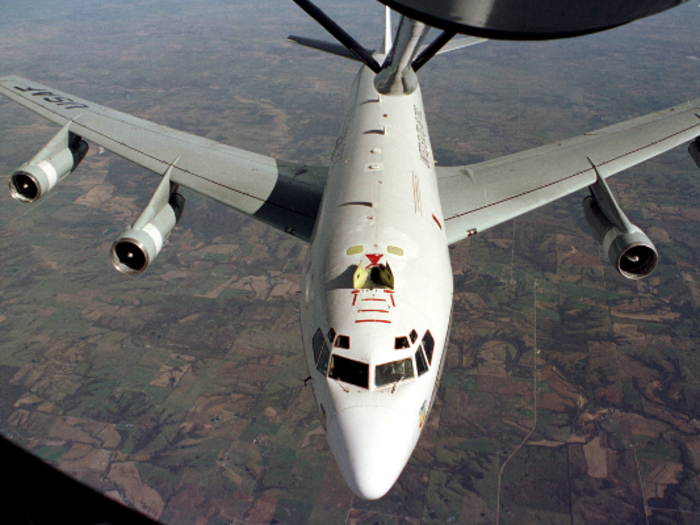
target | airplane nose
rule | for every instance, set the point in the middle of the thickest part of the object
(372, 446)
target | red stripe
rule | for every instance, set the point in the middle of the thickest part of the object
(380, 300)
(382, 311)
(373, 321)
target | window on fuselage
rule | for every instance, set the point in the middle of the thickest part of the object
(349, 371)
(400, 343)
(322, 364)
(428, 344)
(343, 341)
(331, 335)
(317, 343)
(421, 363)
(414, 336)
(394, 372)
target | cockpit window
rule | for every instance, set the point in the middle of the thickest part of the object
(343, 341)
(349, 371)
(428, 345)
(421, 364)
(401, 342)
(331, 335)
(414, 336)
(317, 342)
(394, 372)
(322, 364)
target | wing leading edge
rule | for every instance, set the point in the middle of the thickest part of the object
(480, 196)
(284, 195)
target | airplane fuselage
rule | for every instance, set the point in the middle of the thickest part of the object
(376, 290)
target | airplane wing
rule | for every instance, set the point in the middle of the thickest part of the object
(480, 196)
(286, 196)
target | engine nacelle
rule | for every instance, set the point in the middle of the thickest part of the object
(629, 249)
(139, 244)
(694, 150)
(58, 158)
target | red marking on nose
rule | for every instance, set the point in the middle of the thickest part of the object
(374, 259)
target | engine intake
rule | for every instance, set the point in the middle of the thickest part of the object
(139, 244)
(694, 150)
(53, 163)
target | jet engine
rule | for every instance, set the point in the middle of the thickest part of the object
(694, 150)
(55, 161)
(630, 251)
(140, 243)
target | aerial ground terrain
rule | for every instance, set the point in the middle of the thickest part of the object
(180, 392)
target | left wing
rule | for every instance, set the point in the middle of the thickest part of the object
(286, 196)
(480, 196)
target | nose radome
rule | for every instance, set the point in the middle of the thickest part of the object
(372, 446)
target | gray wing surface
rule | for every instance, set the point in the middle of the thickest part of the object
(286, 196)
(480, 196)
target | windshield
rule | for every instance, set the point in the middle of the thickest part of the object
(393, 372)
(349, 371)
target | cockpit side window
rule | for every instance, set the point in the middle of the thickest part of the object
(414, 336)
(331, 335)
(322, 364)
(349, 371)
(343, 341)
(421, 363)
(316, 343)
(428, 344)
(401, 342)
(394, 372)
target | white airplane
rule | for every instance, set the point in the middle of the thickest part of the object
(376, 290)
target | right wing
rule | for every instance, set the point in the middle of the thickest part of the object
(480, 196)
(284, 195)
